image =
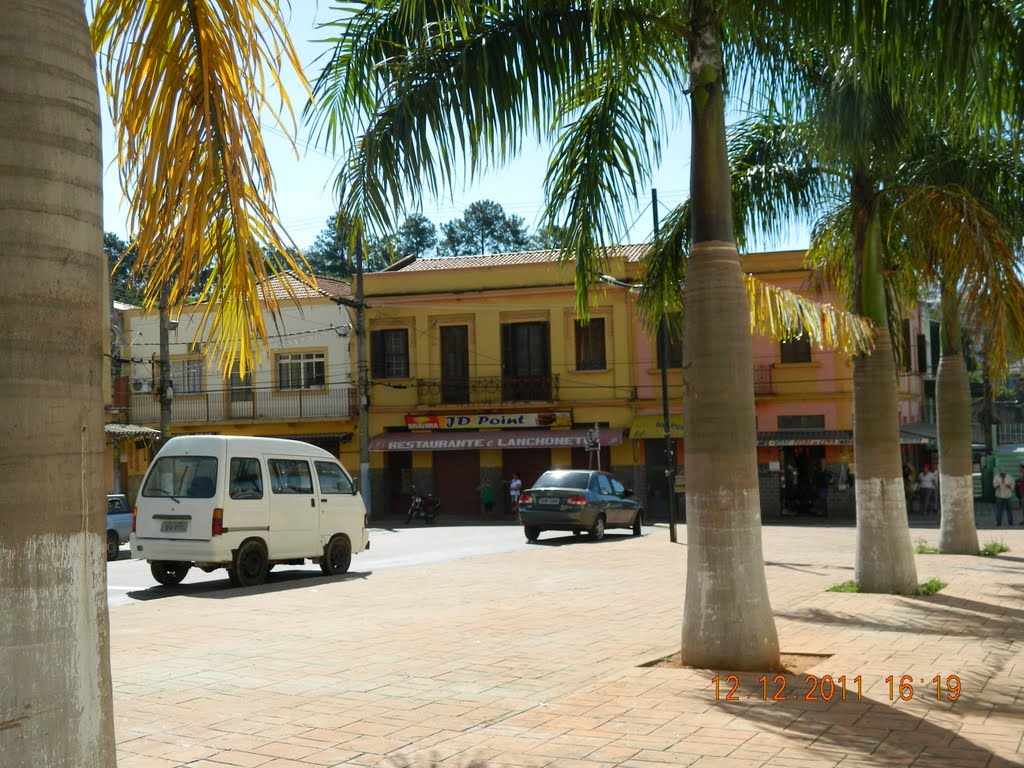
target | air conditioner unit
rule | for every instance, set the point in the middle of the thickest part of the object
(142, 386)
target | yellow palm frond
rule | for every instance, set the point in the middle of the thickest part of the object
(782, 314)
(187, 84)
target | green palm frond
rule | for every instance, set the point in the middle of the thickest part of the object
(428, 101)
(186, 86)
(776, 183)
(604, 154)
(663, 270)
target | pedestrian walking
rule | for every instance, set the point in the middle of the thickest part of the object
(1004, 486)
(515, 487)
(486, 497)
(927, 484)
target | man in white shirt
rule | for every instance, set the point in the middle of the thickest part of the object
(1004, 492)
(928, 483)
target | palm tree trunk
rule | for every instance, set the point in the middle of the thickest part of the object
(56, 705)
(885, 554)
(957, 532)
(727, 617)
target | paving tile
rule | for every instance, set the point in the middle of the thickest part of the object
(456, 660)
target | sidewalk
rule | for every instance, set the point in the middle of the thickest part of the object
(535, 659)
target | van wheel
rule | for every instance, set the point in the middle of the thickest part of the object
(113, 546)
(337, 556)
(249, 567)
(168, 573)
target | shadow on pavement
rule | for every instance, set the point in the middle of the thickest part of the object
(221, 589)
(554, 540)
(932, 615)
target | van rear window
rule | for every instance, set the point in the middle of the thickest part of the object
(182, 477)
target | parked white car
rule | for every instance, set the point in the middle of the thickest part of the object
(246, 504)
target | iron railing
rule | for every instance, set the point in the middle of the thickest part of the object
(249, 405)
(487, 390)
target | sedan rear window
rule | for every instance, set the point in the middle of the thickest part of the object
(577, 480)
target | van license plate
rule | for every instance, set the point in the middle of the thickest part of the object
(174, 526)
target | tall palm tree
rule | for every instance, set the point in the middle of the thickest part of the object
(425, 89)
(972, 254)
(846, 146)
(187, 100)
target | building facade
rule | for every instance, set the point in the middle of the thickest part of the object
(480, 368)
(301, 388)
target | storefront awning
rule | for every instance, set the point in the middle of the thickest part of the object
(822, 437)
(920, 429)
(129, 431)
(652, 426)
(480, 441)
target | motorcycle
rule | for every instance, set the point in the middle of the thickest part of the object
(424, 508)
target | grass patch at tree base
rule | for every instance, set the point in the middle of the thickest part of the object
(993, 548)
(924, 589)
(922, 547)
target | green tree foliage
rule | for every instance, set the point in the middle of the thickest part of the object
(484, 228)
(125, 285)
(328, 255)
(416, 237)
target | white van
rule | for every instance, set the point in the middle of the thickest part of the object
(245, 504)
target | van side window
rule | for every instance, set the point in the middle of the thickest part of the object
(332, 478)
(246, 479)
(290, 476)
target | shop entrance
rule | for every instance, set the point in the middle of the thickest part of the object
(397, 476)
(456, 476)
(800, 466)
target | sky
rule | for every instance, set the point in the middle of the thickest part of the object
(304, 186)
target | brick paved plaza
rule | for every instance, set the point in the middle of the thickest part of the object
(536, 659)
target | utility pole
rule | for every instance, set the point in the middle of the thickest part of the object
(670, 449)
(165, 392)
(362, 386)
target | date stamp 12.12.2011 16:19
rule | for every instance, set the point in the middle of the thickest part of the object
(834, 688)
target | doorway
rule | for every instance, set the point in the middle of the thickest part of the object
(800, 465)
(456, 476)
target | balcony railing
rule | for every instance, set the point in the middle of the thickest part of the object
(487, 390)
(249, 405)
(763, 384)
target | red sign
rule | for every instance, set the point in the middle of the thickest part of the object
(481, 441)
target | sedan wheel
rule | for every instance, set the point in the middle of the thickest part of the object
(638, 522)
(532, 533)
(597, 531)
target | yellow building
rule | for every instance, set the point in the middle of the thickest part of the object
(480, 369)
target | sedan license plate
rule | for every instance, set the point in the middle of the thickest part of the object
(174, 526)
(548, 500)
